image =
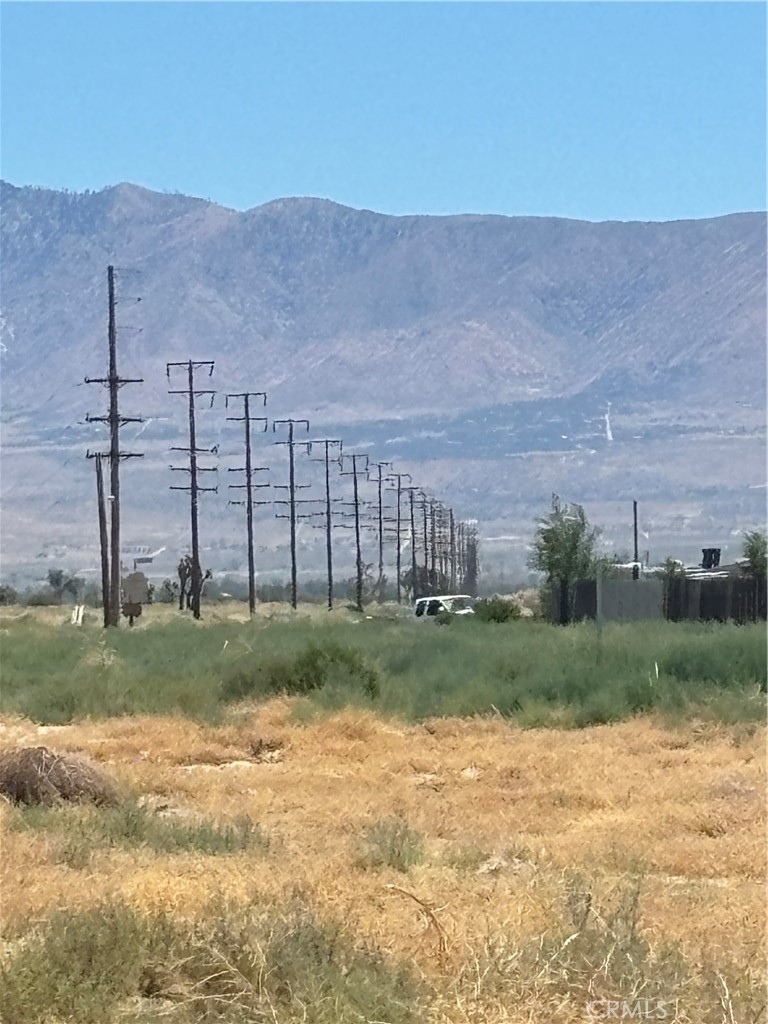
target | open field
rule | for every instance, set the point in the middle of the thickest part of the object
(344, 854)
(645, 843)
(534, 673)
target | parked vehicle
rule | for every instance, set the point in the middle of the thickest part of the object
(457, 604)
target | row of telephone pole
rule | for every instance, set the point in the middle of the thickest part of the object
(442, 551)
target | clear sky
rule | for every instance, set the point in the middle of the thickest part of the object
(591, 110)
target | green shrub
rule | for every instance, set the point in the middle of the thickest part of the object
(82, 831)
(392, 843)
(8, 594)
(41, 599)
(230, 966)
(311, 669)
(496, 609)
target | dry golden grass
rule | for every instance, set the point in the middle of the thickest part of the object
(505, 814)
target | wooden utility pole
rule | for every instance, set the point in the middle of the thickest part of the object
(635, 567)
(113, 382)
(452, 542)
(292, 487)
(379, 482)
(249, 486)
(399, 477)
(194, 488)
(326, 459)
(103, 541)
(424, 502)
(414, 568)
(433, 587)
(354, 473)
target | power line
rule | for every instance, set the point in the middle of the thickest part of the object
(327, 444)
(194, 489)
(114, 382)
(399, 477)
(249, 470)
(292, 487)
(379, 481)
(354, 473)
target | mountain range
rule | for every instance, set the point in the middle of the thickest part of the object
(497, 359)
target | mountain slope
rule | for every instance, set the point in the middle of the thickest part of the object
(512, 333)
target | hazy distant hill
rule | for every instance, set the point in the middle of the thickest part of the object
(526, 325)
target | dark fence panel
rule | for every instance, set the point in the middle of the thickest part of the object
(735, 599)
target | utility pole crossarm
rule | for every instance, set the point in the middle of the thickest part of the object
(192, 451)
(246, 419)
(111, 567)
(292, 487)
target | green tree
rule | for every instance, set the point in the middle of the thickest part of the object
(8, 594)
(755, 550)
(62, 583)
(564, 551)
(564, 545)
(673, 569)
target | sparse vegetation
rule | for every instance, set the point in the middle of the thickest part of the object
(392, 843)
(497, 609)
(756, 554)
(230, 965)
(518, 874)
(80, 833)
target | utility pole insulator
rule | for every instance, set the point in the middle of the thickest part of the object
(194, 489)
(111, 584)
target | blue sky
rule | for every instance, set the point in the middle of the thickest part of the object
(596, 110)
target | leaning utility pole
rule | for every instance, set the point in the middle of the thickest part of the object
(354, 473)
(194, 489)
(399, 477)
(379, 481)
(327, 443)
(292, 488)
(103, 541)
(114, 382)
(248, 486)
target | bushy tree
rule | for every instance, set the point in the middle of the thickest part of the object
(755, 550)
(62, 583)
(564, 545)
(8, 594)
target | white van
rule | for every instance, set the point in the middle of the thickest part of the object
(457, 604)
